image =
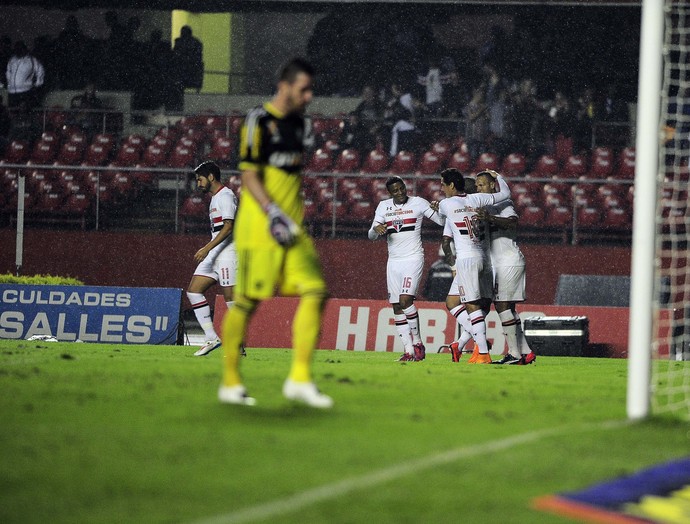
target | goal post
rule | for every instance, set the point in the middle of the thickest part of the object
(659, 327)
(644, 217)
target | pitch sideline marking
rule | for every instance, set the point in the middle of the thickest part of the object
(311, 496)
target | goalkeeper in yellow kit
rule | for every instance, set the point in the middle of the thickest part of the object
(274, 253)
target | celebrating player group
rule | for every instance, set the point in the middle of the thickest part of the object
(478, 241)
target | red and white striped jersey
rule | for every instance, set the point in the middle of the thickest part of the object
(404, 225)
(460, 213)
(223, 206)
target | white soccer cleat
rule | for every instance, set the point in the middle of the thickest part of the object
(208, 347)
(307, 393)
(235, 395)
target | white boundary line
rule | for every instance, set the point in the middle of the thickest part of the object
(292, 503)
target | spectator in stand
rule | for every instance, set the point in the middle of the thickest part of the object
(365, 121)
(25, 125)
(189, 59)
(500, 118)
(527, 113)
(613, 108)
(70, 49)
(159, 73)
(477, 121)
(25, 77)
(433, 82)
(87, 110)
(560, 120)
(5, 54)
(586, 114)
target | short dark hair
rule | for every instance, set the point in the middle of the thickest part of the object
(452, 175)
(392, 180)
(292, 68)
(207, 168)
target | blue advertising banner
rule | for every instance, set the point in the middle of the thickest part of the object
(90, 313)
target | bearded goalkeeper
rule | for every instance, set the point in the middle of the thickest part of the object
(275, 255)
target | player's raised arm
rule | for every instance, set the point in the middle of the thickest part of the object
(503, 189)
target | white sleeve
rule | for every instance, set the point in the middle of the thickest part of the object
(504, 190)
(227, 205)
(378, 220)
(431, 214)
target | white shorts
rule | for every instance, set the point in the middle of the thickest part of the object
(509, 284)
(473, 279)
(403, 277)
(222, 268)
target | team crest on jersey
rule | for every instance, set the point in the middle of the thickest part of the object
(398, 223)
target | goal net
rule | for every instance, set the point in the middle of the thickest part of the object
(670, 364)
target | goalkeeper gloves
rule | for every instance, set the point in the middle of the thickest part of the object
(283, 228)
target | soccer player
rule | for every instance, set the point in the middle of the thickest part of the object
(473, 277)
(399, 219)
(508, 265)
(217, 259)
(275, 255)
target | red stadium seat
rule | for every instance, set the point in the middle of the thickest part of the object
(430, 164)
(514, 164)
(105, 139)
(181, 157)
(222, 149)
(71, 153)
(97, 154)
(617, 219)
(602, 152)
(47, 202)
(164, 142)
(403, 163)
(602, 167)
(461, 161)
(348, 161)
(546, 166)
(362, 211)
(563, 148)
(575, 166)
(50, 136)
(626, 169)
(585, 191)
(321, 161)
(556, 194)
(487, 161)
(559, 217)
(78, 137)
(588, 217)
(128, 155)
(442, 150)
(17, 152)
(154, 156)
(122, 185)
(331, 208)
(136, 141)
(531, 216)
(77, 204)
(376, 161)
(44, 152)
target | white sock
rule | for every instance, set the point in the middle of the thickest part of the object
(463, 320)
(479, 331)
(202, 311)
(413, 320)
(403, 328)
(510, 331)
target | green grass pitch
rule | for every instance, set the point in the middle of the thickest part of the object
(112, 433)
